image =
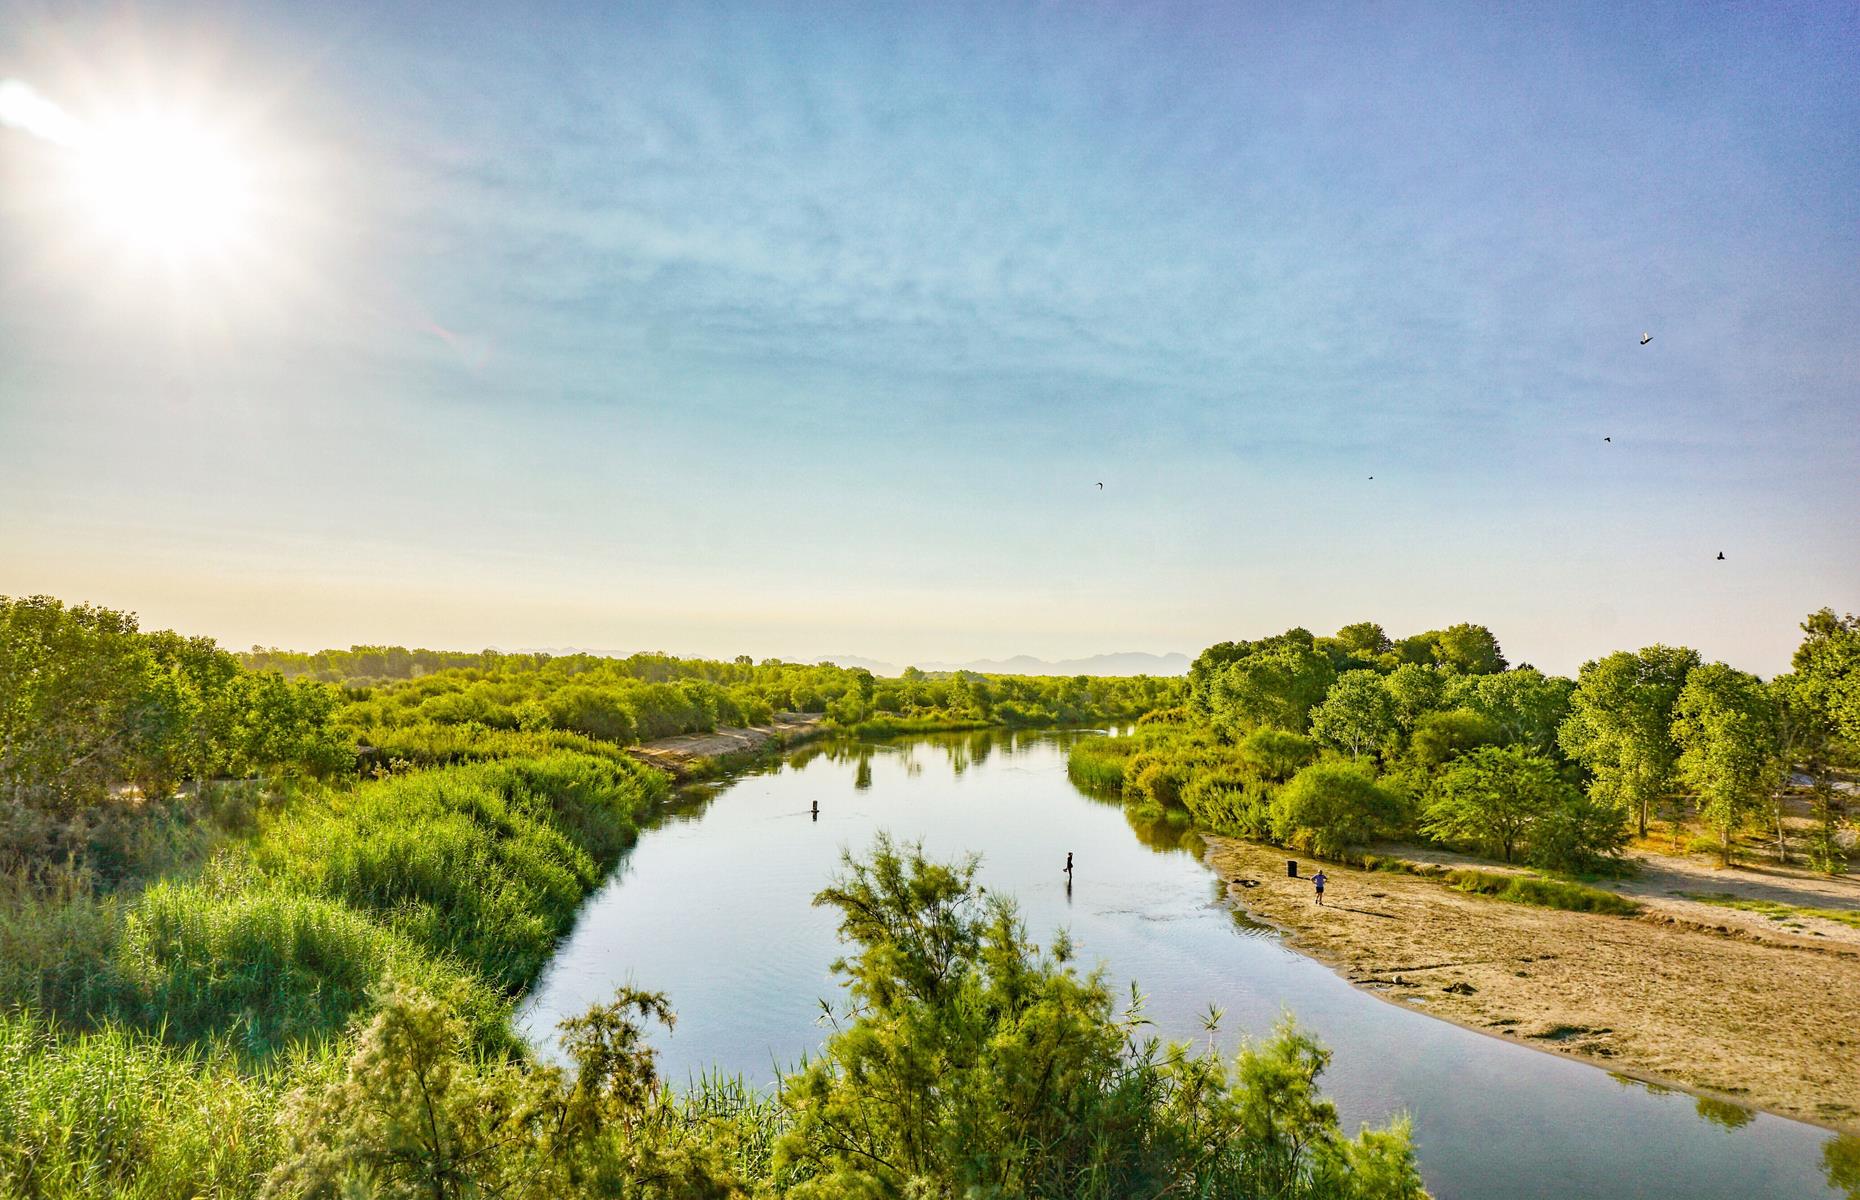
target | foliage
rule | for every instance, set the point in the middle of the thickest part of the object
(1357, 715)
(1331, 806)
(973, 1065)
(1620, 724)
(1725, 725)
(1276, 686)
(1526, 706)
(117, 1114)
(1470, 649)
(1497, 797)
(1277, 753)
(487, 862)
(90, 704)
(1440, 737)
(1828, 660)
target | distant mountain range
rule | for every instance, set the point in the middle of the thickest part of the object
(1129, 662)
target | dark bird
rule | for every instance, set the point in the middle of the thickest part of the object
(1608, 439)
(1101, 487)
(1645, 338)
(1720, 556)
(1372, 476)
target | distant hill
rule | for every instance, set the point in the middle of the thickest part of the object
(1129, 662)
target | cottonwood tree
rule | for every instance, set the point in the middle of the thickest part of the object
(1828, 661)
(1277, 686)
(1495, 796)
(1527, 704)
(1620, 724)
(1725, 726)
(1357, 714)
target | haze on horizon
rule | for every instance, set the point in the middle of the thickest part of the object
(769, 332)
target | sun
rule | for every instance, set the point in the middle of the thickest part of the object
(164, 186)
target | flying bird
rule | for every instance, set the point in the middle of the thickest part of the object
(1720, 556)
(1608, 439)
(1645, 338)
(1101, 487)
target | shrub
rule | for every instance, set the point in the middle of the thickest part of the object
(1331, 806)
(1278, 753)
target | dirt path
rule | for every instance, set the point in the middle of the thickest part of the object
(1712, 999)
(689, 752)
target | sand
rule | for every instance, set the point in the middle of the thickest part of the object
(1714, 1000)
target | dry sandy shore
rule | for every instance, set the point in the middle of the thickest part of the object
(686, 753)
(1711, 999)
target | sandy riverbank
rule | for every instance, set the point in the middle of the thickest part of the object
(691, 753)
(1711, 999)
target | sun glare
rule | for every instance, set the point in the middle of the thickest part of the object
(164, 186)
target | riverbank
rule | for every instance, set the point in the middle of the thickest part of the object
(1723, 1001)
(692, 755)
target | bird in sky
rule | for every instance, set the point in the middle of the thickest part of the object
(1607, 439)
(1645, 338)
(1372, 476)
(1101, 487)
(1720, 556)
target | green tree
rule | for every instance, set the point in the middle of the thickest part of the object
(1276, 686)
(1365, 638)
(1829, 662)
(1495, 796)
(1620, 724)
(1440, 737)
(1357, 714)
(1416, 691)
(1725, 727)
(1469, 649)
(1526, 704)
(1331, 806)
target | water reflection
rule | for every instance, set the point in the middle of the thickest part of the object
(714, 907)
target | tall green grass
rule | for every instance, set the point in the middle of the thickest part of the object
(1544, 893)
(118, 1114)
(485, 863)
(268, 968)
(145, 1041)
(1097, 764)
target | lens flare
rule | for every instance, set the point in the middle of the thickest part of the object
(164, 186)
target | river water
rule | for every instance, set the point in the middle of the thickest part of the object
(712, 907)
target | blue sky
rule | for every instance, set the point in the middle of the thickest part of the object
(807, 330)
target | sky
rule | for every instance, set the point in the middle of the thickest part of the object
(810, 330)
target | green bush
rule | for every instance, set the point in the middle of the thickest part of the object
(1331, 806)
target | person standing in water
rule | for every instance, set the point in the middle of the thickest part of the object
(1317, 881)
(1068, 866)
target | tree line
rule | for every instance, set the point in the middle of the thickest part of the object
(102, 722)
(1330, 742)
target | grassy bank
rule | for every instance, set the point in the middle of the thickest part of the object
(186, 1010)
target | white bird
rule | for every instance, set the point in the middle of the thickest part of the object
(1645, 338)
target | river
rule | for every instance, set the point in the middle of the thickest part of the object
(712, 907)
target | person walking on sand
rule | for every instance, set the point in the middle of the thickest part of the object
(1317, 881)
